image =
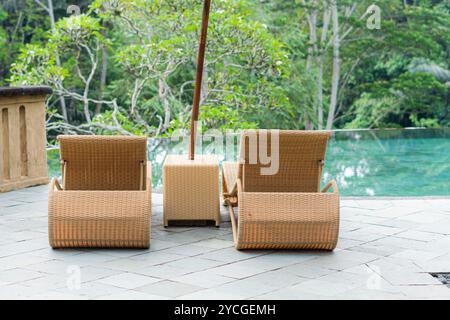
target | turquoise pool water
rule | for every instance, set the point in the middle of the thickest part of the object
(414, 162)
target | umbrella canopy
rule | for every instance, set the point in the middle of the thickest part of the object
(199, 76)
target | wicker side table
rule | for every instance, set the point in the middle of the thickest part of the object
(191, 188)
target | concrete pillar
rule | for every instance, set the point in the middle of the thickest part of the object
(23, 154)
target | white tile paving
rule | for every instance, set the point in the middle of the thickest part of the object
(171, 289)
(128, 280)
(387, 249)
(205, 279)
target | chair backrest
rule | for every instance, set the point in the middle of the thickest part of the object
(103, 162)
(301, 156)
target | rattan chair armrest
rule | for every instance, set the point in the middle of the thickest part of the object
(229, 171)
(234, 225)
(149, 178)
(331, 185)
(54, 184)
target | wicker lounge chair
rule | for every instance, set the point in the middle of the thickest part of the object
(286, 210)
(105, 197)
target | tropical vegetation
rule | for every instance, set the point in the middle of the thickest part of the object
(127, 67)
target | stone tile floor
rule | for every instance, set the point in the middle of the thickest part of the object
(387, 249)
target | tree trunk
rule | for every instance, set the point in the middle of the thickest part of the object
(205, 85)
(163, 95)
(315, 52)
(307, 122)
(58, 60)
(98, 108)
(319, 92)
(320, 51)
(336, 67)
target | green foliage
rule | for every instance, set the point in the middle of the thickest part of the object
(256, 68)
(401, 71)
(425, 123)
(36, 65)
(152, 49)
(413, 99)
(107, 118)
(374, 112)
(224, 118)
(421, 93)
(76, 30)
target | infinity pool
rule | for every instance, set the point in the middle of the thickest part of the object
(411, 162)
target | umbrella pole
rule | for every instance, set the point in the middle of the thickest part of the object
(199, 77)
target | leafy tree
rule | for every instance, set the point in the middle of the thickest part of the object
(128, 66)
(152, 47)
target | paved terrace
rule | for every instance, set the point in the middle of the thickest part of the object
(386, 250)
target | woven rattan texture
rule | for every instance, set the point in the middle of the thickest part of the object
(285, 215)
(100, 219)
(300, 162)
(101, 205)
(103, 162)
(191, 188)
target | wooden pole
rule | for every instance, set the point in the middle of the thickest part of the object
(199, 77)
